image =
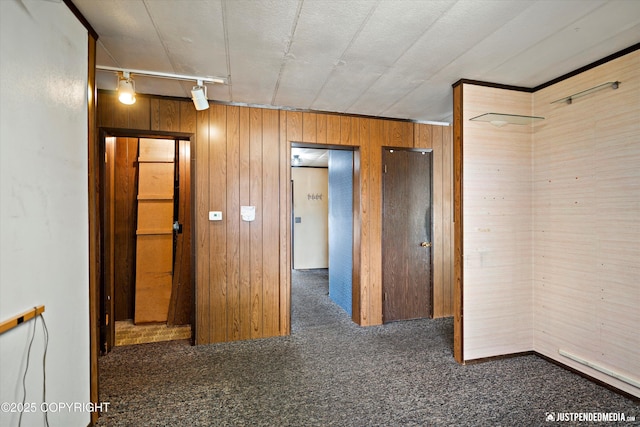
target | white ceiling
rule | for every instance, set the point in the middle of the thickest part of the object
(386, 58)
(310, 157)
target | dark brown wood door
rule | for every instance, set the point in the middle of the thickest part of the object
(406, 235)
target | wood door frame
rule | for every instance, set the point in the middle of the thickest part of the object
(418, 150)
(458, 270)
(96, 311)
(356, 218)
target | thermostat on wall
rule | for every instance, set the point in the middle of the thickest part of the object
(215, 216)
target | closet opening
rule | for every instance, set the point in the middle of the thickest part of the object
(146, 263)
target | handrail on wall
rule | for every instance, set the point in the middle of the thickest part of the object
(21, 318)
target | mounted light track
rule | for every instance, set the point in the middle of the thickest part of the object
(126, 88)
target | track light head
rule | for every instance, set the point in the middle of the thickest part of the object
(126, 89)
(199, 96)
(127, 92)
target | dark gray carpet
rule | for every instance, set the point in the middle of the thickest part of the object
(331, 372)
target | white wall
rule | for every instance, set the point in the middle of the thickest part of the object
(587, 222)
(44, 205)
(311, 235)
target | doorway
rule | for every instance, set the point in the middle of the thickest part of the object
(328, 186)
(146, 274)
(406, 235)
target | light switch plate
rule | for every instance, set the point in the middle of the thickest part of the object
(248, 213)
(215, 216)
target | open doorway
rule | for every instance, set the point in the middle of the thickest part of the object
(322, 221)
(146, 285)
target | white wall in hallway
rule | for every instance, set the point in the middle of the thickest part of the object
(311, 206)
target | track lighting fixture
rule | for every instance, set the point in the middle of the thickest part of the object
(126, 87)
(199, 96)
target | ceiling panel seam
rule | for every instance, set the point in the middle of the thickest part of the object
(409, 46)
(471, 48)
(164, 46)
(117, 64)
(227, 54)
(436, 73)
(287, 49)
(443, 67)
(524, 51)
(341, 59)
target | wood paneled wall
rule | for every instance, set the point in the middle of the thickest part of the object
(242, 157)
(439, 139)
(368, 136)
(552, 223)
(237, 282)
(587, 222)
(498, 223)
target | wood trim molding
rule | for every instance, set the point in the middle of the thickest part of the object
(356, 249)
(94, 227)
(491, 84)
(458, 288)
(142, 133)
(551, 82)
(587, 67)
(76, 12)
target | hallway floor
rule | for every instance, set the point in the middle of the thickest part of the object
(128, 333)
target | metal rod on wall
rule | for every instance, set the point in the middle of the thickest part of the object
(569, 99)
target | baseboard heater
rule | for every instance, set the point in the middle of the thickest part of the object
(599, 368)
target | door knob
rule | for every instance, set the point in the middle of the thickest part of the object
(425, 244)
